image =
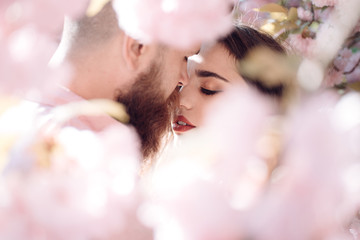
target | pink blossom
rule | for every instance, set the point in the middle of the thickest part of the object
(322, 15)
(238, 126)
(323, 3)
(334, 31)
(309, 184)
(24, 58)
(333, 77)
(48, 16)
(356, 28)
(86, 189)
(342, 59)
(202, 189)
(248, 15)
(353, 62)
(354, 76)
(347, 63)
(303, 14)
(4, 15)
(293, 3)
(168, 21)
(303, 46)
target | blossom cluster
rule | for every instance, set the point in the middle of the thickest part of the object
(292, 176)
(167, 20)
(250, 173)
(308, 26)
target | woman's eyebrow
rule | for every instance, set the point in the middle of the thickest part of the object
(204, 73)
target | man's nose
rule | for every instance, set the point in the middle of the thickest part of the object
(184, 77)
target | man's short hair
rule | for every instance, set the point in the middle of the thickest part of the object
(88, 32)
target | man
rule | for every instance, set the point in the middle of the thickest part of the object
(110, 64)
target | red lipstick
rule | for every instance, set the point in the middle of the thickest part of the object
(181, 125)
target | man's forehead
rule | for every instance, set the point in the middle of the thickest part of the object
(194, 49)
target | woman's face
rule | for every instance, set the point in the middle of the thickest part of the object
(211, 72)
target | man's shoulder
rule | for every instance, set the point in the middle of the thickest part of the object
(55, 111)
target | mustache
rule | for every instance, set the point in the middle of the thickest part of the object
(150, 112)
(173, 103)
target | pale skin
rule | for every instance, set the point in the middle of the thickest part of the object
(211, 72)
(117, 63)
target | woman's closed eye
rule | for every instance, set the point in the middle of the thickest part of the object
(208, 92)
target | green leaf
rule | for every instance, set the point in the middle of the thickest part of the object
(355, 49)
(314, 26)
(324, 8)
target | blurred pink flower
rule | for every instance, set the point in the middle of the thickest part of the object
(354, 76)
(335, 30)
(247, 12)
(4, 15)
(201, 190)
(174, 22)
(342, 59)
(353, 62)
(307, 198)
(301, 45)
(242, 119)
(347, 63)
(333, 77)
(303, 14)
(322, 15)
(293, 3)
(356, 28)
(197, 209)
(86, 190)
(24, 58)
(47, 16)
(323, 3)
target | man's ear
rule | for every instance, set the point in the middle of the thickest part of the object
(132, 51)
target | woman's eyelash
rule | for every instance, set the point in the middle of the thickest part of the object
(208, 92)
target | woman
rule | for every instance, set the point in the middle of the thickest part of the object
(215, 69)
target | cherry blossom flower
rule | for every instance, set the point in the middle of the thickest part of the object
(302, 45)
(323, 3)
(87, 180)
(47, 16)
(247, 13)
(354, 76)
(24, 57)
(199, 194)
(293, 3)
(301, 185)
(333, 77)
(303, 14)
(167, 21)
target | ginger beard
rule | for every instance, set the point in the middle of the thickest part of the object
(150, 113)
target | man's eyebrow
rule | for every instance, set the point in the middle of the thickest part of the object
(204, 73)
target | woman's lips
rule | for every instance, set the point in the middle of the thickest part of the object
(181, 124)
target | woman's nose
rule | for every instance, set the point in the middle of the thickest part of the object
(186, 101)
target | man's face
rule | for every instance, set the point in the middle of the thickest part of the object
(152, 99)
(150, 113)
(174, 68)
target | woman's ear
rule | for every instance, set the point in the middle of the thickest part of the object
(132, 50)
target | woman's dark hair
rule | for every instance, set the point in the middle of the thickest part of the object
(241, 41)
